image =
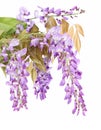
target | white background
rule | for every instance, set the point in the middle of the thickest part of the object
(54, 113)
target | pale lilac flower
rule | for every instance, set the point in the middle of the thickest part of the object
(42, 19)
(24, 11)
(74, 8)
(4, 54)
(69, 93)
(2, 65)
(51, 10)
(34, 42)
(21, 53)
(58, 12)
(30, 24)
(39, 42)
(14, 42)
(23, 16)
(62, 83)
(19, 28)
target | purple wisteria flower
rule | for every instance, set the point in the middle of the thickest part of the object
(16, 70)
(61, 47)
(58, 13)
(30, 24)
(30, 52)
(19, 28)
(39, 42)
(70, 79)
(34, 42)
(13, 43)
(23, 16)
(4, 54)
(24, 11)
(42, 82)
(18, 74)
(58, 42)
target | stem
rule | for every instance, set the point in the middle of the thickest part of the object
(74, 14)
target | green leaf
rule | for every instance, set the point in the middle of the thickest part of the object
(33, 75)
(32, 71)
(3, 70)
(8, 34)
(8, 26)
(3, 41)
(36, 56)
(7, 23)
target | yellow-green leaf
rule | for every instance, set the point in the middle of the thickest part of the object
(79, 29)
(32, 71)
(30, 67)
(41, 67)
(34, 29)
(51, 22)
(3, 70)
(36, 56)
(52, 59)
(64, 26)
(1, 31)
(33, 74)
(71, 31)
(77, 42)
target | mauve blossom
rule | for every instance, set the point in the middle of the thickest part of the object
(24, 11)
(61, 47)
(58, 12)
(14, 42)
(18, 82)
(42, 82)
(21, 52)
(42, 18)
(51, 10)
(19, 28)
(74, 8)
(16, 69)
(30, 24)
(39, 42)
(16, 60)
(4, 55)
(23, 16)
(34, 42)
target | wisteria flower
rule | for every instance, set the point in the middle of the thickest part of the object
(26, 50)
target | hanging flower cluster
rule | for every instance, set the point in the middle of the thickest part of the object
(25, 51)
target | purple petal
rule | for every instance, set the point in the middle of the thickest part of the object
(58, 11)
(24, 11)
(74, 8)
(21, 52)
(14, 42)
(62, 83)
(34, 42)
(51, 10)
(2, 65)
